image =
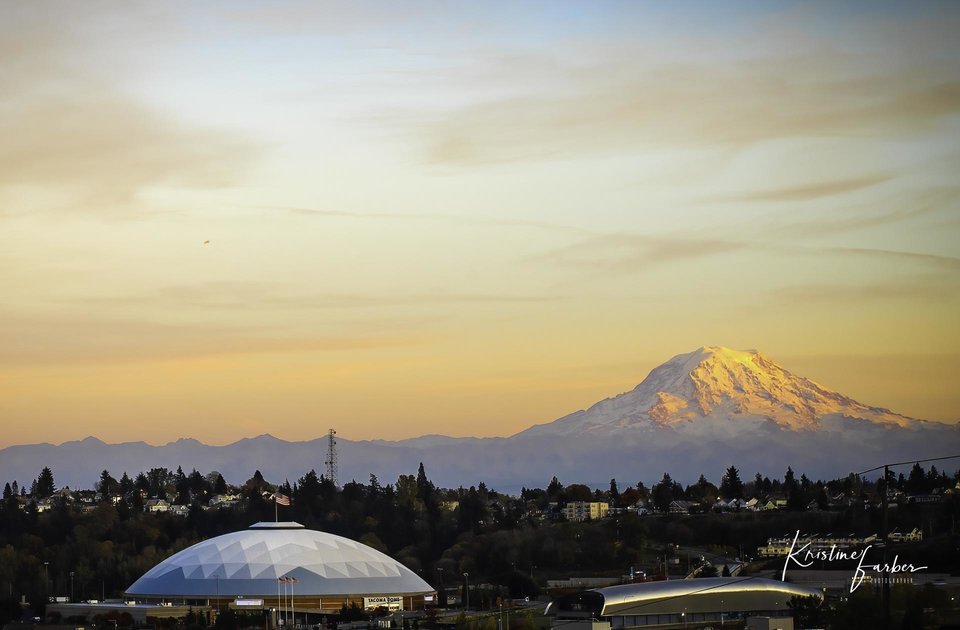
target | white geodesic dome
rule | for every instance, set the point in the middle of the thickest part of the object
(249, 563)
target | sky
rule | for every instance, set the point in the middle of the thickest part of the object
(464, 218)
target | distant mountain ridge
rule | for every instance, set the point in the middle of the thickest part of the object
(697, 413)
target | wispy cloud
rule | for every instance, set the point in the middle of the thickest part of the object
(904, 208)
(806, 192)
(946, 262)
(73, 137)
(49, 341)
(602, 105)
(424, 216)
(254, 295)
(635, 253)
(920, 289)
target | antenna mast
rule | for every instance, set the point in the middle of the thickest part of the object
(332, 456)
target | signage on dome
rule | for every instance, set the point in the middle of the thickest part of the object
(390, 603)
(248, 602)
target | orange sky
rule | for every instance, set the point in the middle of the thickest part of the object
(464, 220)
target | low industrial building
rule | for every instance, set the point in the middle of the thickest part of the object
(677, 603)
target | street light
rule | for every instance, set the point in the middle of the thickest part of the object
(466, 580)
(46, 581)
(71, 588)
(442, 595)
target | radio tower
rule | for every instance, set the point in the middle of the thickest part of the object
(331, 456)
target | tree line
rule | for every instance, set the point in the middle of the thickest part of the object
(105, 539)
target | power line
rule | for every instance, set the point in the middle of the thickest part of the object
(907, 463)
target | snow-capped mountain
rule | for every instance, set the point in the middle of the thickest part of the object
(713, 385)
(697, 413)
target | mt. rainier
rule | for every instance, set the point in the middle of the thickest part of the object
(697, 413)
(716, 384)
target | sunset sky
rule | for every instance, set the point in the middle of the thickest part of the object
(464, 218)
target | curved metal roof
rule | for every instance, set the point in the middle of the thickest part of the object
(669, 596)
(249, 563)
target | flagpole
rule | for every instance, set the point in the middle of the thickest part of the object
(276, 517)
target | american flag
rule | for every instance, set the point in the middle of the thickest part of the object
(281, 499)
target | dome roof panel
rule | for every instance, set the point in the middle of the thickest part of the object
(195, 574)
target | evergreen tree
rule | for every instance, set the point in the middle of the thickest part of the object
(614, 493)
(423, 484)
(181, 485)
(158, 479)
(220, 485)
(257, 485)
(197, 486)
(767, 485)
(731, 487)
(107, 486)
(554, 489)
(789, 482)
(44, 484)
(643, 491)
(917, 481)
(126, 484)
(703, 490)
(663, 493)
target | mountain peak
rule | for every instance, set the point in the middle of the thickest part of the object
(715, 385)
(716, 355)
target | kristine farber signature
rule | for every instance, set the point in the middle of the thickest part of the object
(805, 557)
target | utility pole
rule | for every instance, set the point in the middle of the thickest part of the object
(884, 534)
(885, 588)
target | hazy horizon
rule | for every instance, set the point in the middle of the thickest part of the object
(226, 219)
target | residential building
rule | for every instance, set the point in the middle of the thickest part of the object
(586, 510)
(156, 505)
